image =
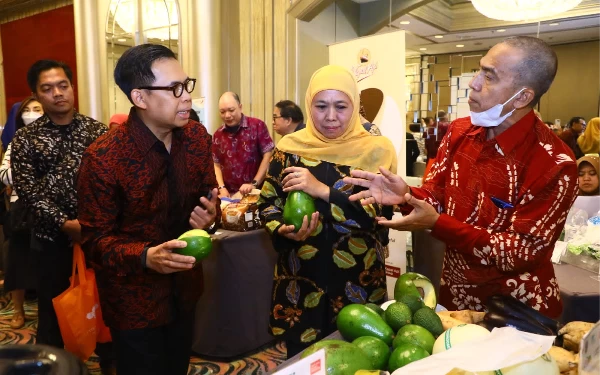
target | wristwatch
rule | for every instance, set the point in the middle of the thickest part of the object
(221, 187)
(254, 183)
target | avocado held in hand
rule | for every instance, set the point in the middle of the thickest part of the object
(199, 244)
(298, 205)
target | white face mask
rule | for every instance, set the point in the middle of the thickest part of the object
(30, 117)
(491, 117)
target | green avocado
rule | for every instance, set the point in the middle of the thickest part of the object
(356, 320)
(199, 244)
(341, 357)
(417, 285)
(298, 205)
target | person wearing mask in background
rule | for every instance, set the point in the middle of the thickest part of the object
(241, 149)
(571, 133)
(589, 141)
(588, 175)
(500, 191)
(45, 159)
(140, 187)
(20, 267)
(287, 117)
(116, 120)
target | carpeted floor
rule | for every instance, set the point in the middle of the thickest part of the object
(262, 361)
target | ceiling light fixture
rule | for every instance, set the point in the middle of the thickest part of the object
(438, 36)
(121, 40)
(500, 30)
(460, 45)
(404, 22)
(554, 24)
(422, 49)
(522, 10)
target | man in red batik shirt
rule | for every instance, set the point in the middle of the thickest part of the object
(241, 149)
(140, 187)
(500, 189)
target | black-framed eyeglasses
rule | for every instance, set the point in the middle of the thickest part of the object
(177, 88)
(275, 117)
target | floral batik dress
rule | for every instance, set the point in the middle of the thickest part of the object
(342, 262)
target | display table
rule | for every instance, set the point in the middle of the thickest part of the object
(580, 293)
(232, 316)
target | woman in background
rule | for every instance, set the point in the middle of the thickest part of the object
(20, 270)
(588, 175)
(589, 141)
(337, 256)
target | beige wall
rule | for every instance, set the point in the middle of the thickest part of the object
(576, 88)
(336, 23)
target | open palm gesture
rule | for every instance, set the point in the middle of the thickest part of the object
(385, 188)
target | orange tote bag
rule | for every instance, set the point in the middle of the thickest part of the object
(78, 310)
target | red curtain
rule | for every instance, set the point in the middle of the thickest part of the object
(48, 35)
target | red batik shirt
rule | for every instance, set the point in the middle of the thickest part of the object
(134, 194)
(491, 250)
(240, 153)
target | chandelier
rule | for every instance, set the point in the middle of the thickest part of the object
(522, 10)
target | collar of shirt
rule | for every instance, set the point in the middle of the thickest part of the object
(144, 138)
(243, 124)
(511, 137)
(78, 118)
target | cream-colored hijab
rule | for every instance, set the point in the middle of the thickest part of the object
(356, 147)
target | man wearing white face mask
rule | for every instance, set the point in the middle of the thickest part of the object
(500, 189)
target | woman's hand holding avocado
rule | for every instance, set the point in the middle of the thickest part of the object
(305, 230)
(301, 179)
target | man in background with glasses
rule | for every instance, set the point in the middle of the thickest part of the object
(241, 150)
(140, 187)
(287, 118)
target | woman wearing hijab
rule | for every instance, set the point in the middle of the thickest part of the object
(20, 270)
(588, 175)
(337, 256)
(589, 141)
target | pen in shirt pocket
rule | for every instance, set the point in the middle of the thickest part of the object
(501, 204)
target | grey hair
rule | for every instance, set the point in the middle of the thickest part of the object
(538, 67)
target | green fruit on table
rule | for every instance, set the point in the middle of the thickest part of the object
(417, 285)
(412, 301)
(199, 244)
(341, 357)
(375, 308)
(405, 354)
(297, 205)
(356, 320)
(416, 335)
(375, 349)
(397, 315)
(428, 319)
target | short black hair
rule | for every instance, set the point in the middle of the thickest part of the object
(538, 67)
(40, 66)
(134, 68)
(574, 120)
(415, 127)
(289, 109)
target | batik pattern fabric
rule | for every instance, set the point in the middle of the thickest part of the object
(45, 159)
(240, 153)
(342, 262)
(492, 247)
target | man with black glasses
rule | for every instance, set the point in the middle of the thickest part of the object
(140, 187)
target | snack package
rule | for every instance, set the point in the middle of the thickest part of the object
(242, 216)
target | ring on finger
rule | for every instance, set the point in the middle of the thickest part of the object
(297, 174)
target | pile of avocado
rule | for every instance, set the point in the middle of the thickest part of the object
(379, 339)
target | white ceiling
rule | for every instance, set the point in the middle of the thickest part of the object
(420, 32)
